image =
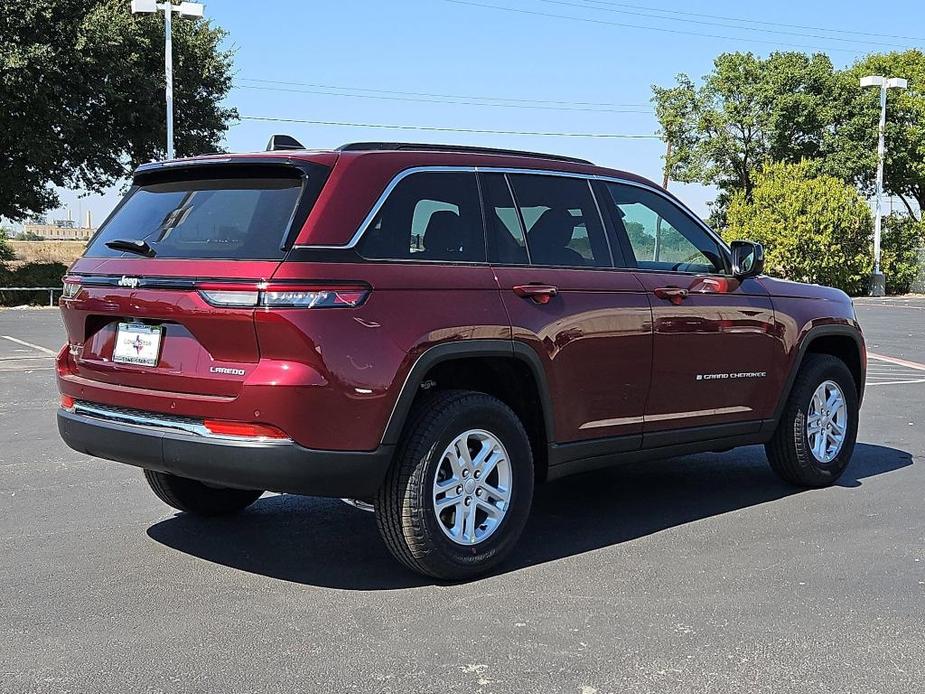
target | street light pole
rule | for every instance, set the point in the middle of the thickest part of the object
(168, 75)
(184, 9)
(877, 280)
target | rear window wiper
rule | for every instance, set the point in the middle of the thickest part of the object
(139, 246)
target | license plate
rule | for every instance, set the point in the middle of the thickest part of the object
(138, 344)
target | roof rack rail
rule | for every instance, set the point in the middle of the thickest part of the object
(424, 147)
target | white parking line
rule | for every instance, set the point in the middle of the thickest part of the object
(913, 307)
(893, 371)
(29, 344)
(893, 383)
(897, 361)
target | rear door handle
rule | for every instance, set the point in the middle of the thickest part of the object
(673, 294)
(539, 293)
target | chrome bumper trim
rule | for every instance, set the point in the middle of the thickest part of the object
(160, 422)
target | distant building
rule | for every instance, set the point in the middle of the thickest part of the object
(60, 229)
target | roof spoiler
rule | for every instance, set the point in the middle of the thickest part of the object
(283, 142)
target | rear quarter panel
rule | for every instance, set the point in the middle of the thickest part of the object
(365, 354)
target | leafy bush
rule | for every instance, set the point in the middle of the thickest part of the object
(30, 275)
(902, 238)
(814, 228)
(6, 253)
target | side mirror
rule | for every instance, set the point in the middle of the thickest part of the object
(747, 259)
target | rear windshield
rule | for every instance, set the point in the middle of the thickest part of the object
(215, 217)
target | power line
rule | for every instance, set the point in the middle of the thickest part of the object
(610, 7)
(759, 21)
(383, 97)
(442, 96)
(589, 20)
(479, 131)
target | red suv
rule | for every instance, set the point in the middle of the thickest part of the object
(429, 330)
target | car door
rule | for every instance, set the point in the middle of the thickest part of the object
(589, 325)
(714, 340)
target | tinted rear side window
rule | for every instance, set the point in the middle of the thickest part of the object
(428, 216)
(563, 224)
(233, 217)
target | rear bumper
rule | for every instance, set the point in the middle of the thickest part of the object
(271, 466)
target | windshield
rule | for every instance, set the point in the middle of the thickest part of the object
(234, 217)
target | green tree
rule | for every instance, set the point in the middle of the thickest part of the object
(815, 228)
(6, 253)
(747, 113)
(855, 156)
(903, 236)
(82, 96)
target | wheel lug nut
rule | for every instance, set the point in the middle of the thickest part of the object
(478, 492)
(465, 473)
(478, 473)
(468, 501)
(459, 489)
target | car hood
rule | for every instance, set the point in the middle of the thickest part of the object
(802, 290)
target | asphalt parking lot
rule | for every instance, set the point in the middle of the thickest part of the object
(701, 574)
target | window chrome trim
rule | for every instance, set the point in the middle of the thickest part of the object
(401, 175)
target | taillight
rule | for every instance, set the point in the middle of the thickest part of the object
(65, 361)
(67, 403)
(222, 427)
(283, 295)
(71, 287)
(230, 297)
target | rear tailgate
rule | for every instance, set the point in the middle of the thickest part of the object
(210, 226)
(202, 349)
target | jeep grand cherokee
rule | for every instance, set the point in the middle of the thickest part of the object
(430, 330)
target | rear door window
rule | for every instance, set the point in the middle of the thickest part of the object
(563, 224)
(506, 243)
(235, 217)
(428, 216)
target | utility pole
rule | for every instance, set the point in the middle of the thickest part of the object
(877, 280)
(666, 168)
(184, 9)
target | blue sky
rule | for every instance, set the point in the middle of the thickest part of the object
(520, 61)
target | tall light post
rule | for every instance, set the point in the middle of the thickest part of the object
(184, 9)
(877, 280)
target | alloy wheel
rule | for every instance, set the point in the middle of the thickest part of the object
(472, 487)
(827, 421)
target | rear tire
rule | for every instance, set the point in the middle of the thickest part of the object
(443, 510)
(197, 498)
(791, 452)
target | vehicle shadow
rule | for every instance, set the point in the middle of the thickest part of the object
(324, 542)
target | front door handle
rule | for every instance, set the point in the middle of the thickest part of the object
(539, 293)
(673, 294)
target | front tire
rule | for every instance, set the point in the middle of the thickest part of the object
(459, 491)
(198, 498)
(817, 431)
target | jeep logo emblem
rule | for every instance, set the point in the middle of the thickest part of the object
(126, 281)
